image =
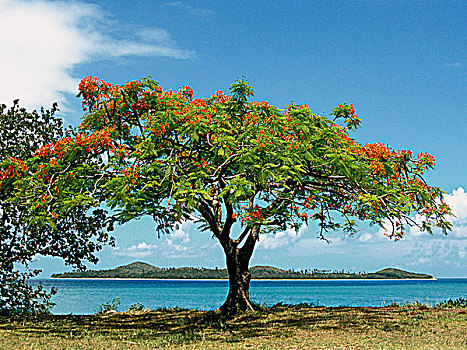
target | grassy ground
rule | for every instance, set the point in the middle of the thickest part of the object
(408, 327)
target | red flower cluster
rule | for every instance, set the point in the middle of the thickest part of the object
(254, 214)
(16, 168)
(132, 173)
(96, 142)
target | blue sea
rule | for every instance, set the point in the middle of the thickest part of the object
(85, 296)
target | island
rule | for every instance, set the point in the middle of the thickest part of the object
(146, 271)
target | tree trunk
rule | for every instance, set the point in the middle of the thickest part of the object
(239, 282)
(237, 260)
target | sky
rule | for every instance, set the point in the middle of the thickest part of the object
(401, 63)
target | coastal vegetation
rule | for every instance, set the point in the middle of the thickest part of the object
(143, 270)
(413, 326)
(75, 238)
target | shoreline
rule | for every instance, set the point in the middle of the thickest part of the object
(225, 279)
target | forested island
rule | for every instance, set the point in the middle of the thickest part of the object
(144, 270)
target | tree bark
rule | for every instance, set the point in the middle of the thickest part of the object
(239, 284)
(238, 260)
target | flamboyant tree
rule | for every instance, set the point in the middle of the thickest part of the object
(22, 237)
(237, 168)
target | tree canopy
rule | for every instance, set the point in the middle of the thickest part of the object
(22, 237)
(224, 161)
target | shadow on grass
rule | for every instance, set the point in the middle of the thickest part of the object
(185, 325)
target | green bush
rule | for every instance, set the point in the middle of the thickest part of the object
(459, 303)
(136, 307)
(110, 305)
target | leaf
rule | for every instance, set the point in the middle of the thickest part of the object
(52, 223)
(388, 169)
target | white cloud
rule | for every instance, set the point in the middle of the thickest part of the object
(457, 200)
(280, 239)
(436, 252)
(181, 233)
(177, 244)
(194, 11)
(454, 64)
(140, 250)
(178, 241)
(365, 237)
(42, 41)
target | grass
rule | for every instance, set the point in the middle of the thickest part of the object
(282, 327)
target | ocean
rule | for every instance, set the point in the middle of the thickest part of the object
(84, 296)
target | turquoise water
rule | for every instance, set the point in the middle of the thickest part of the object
(85, 296)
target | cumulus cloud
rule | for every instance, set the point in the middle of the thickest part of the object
(181, 234)
(178, 241)
(365, 237)
(457, 200)
(42, 41)
(280, 239)
(173, 245)
(140, 250)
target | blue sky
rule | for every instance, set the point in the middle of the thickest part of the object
(401, 63)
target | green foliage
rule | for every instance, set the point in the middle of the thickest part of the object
(111, 305)
(74, 238)
(459, 303)
(18, 297)
(286, 305)
(136, 307)
(223, 161)
(143, 270)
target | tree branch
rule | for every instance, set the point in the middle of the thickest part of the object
(208, 215)
(229, 221)
(245, 232)
(249, 246)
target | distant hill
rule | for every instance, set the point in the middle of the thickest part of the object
(143, 270)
